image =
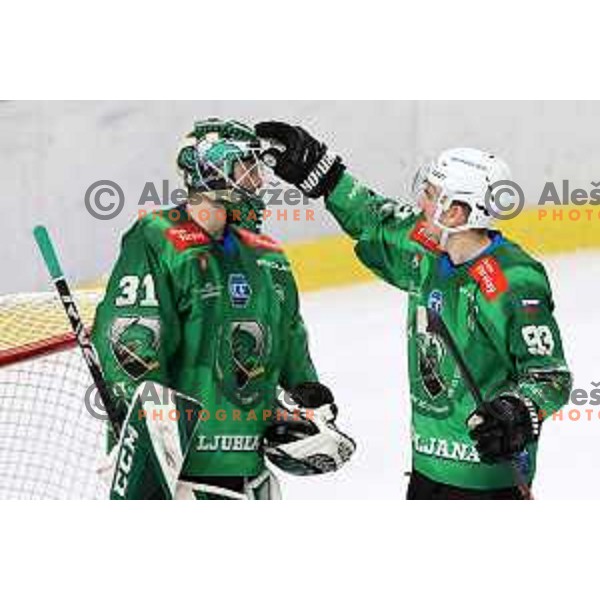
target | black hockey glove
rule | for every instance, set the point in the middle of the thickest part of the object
(503, 427)
(307, 442)
(299, 158)
(313, 394)
(310, 396)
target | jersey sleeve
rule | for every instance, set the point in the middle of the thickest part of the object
(388, 239)
(521, 323)
(297, 363)
(135, 328)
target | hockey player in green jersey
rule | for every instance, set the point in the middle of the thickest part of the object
(494, 299)
(202, 303)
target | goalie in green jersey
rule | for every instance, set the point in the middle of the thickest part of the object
(201, 320)
(494, 299)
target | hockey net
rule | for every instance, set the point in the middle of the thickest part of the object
(50, 444)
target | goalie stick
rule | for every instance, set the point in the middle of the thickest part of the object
(431, 321)
(50, 257)
(148, 455)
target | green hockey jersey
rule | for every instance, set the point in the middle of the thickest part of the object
(217, 320)
(498, 307)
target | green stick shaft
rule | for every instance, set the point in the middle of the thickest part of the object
(47, 249)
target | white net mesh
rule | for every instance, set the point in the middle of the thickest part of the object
(50, 445)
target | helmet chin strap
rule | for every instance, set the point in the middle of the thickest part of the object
(446, 231)
(444, 239)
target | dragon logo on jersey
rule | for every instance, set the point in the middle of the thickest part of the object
(242, 362)
(430, 353)
(134, 343)
(239, 290)
(247, 351)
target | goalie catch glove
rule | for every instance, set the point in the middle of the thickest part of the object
(503, 427)
(298, 158)
(304, 440)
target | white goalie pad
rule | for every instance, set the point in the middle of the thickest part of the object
(154, 442)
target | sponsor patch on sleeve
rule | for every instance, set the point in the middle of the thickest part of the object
(490, 277)
(421, 236)
(256, 240)
(186, 235)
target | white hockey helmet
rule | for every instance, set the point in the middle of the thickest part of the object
(465, 175)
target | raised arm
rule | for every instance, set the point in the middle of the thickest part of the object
(389, 238)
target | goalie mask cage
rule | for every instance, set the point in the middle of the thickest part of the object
(50, 444)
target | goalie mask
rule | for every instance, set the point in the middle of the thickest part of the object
(464, 175)
(308, 442)
(223, 165)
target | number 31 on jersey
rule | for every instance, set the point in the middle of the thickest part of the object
(133, 289)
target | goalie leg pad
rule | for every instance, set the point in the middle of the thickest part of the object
(153, 444)
(262, 487)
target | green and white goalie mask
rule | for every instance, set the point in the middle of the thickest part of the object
(223, 165)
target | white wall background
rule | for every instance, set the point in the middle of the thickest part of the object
(50, 152)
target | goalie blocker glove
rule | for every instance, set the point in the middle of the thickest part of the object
(298, 158)
(503, 427)
(304, 439)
